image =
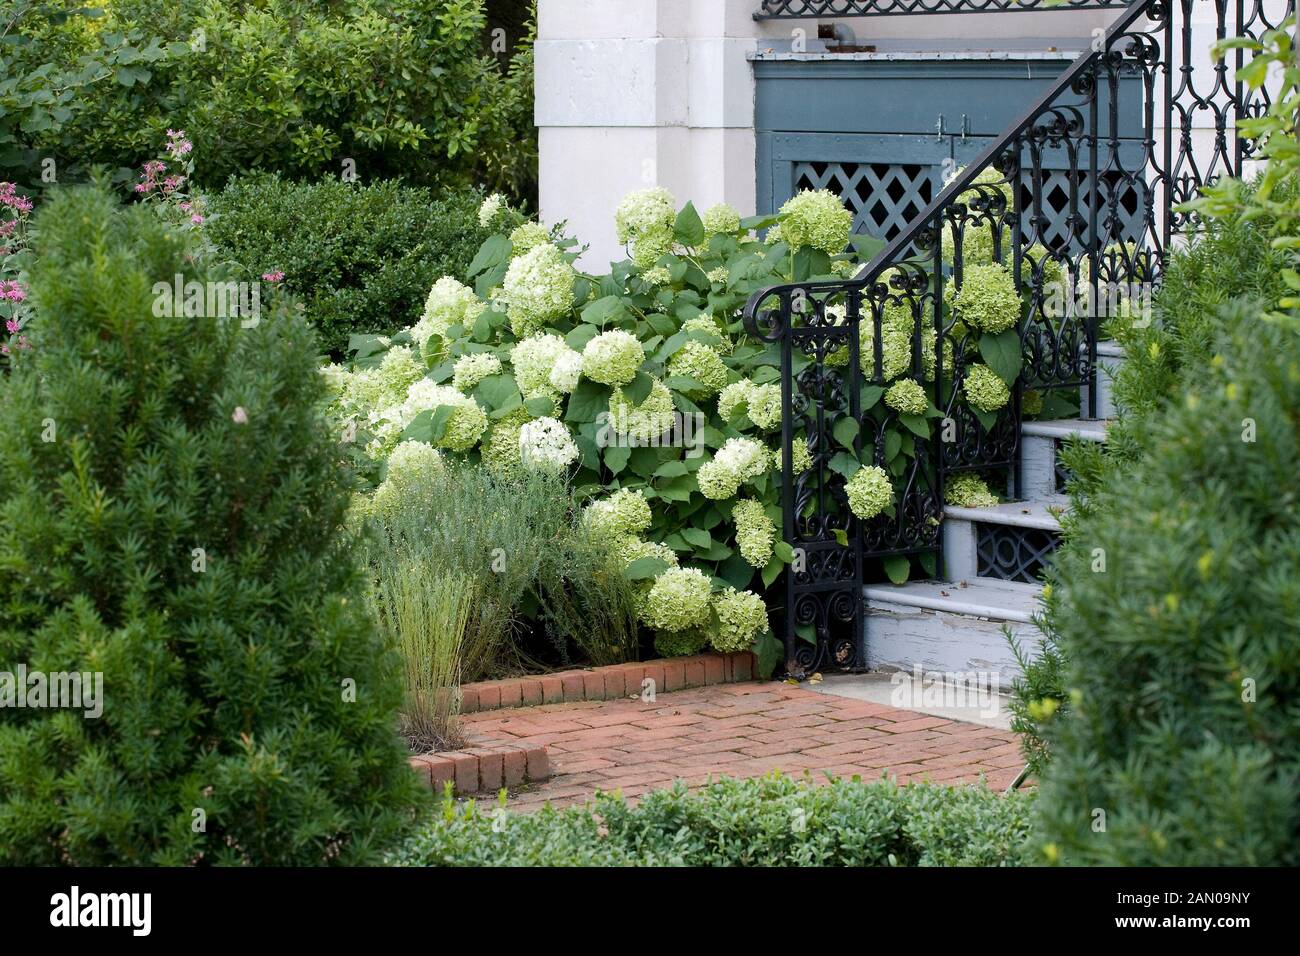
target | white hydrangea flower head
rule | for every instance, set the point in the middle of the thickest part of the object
(538, 289)
(628, 548)
(626, 512)
(987, 299)
(412, 466)
(545, 444)
(646, 210)
(737, 461)
(869, 492)
(908, 396)
(984, 388)
(719, 340)
(489, 210)
(644, 219)
(365, 392)
(449, 303)
(697, 361)
(501, 452)
(612, 358)
(655, 415)
(659, 275)
(534, 359)
(800, 457)
(734, 398)
(722, 219)
(742, 616)
(469, 370)
(968, 491)
(755, 532)
(566, 371)
(678, 600)
(529, 236)
(466, 425)
(816, 219)
(765, 406)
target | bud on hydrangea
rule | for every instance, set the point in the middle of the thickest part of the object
(697, 361)
(644, 219)
(817, 220)
(907, 396)
(678, 600)
(538, 289)
(984, 388)
(742, 616)
(449, 303)
(800, 457)
(869, 492)
(659, 275)
(622, 513)
(612, 358)
(987, 299)
(755, 532)
(472, 369)
(968, 491)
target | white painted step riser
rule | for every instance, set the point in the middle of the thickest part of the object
(900, 637)
(1037, 466)
(1107, 365)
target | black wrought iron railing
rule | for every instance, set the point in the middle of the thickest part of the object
(1127, 132)
(808, 9)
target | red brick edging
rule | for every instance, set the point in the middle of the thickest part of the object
(488, 769)
(483, 769)
(608, 683)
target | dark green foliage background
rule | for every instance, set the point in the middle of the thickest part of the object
(361, 258)
(410, 89)
(223, 688)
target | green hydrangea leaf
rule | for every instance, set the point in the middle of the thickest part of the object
(689, 228)
(1002, 353)
(644, 569)
(898, 568)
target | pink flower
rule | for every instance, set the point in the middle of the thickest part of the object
(196, 219)
(239, 417)
(276, 276)
(13, 326)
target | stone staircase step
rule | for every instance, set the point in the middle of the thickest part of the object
(1007, 541)
(1040, 444)
(950, 627)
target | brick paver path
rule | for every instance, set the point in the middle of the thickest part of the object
(740, 730)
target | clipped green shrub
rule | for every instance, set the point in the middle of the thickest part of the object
(1233, 259)
(174, 520)
(1182, 742)
(360, 257)
(770, 821)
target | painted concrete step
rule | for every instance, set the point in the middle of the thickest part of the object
(950, 628)
(1041, 473)
(1010, 541)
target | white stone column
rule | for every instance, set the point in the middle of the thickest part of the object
(639, 93)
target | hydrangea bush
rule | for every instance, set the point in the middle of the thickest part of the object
(642, 385)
